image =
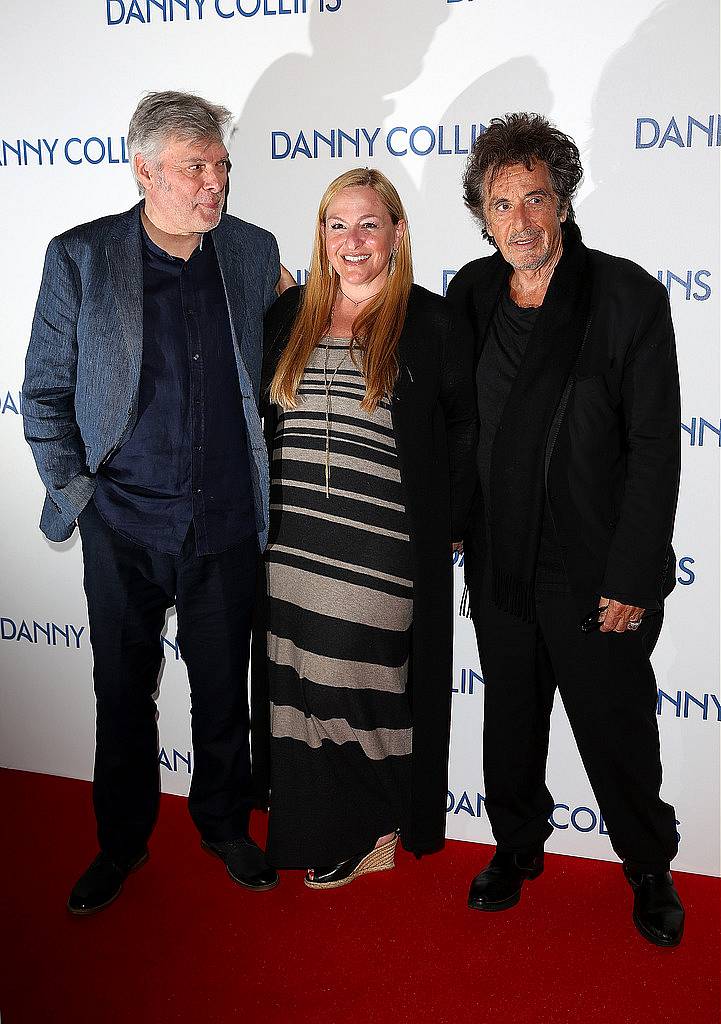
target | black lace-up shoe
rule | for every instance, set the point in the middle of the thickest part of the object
(102, 883)
(499, 885)
(245, 863)
(657, 910)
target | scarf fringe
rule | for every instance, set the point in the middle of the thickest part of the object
(513, 596)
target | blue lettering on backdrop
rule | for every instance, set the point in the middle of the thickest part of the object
(146, 12)
(468, 679)
(689, 575)
(448, 276)
(173, 645)
(23, 152)
(683, 702)
(8, 403)
(651, 133)
(582, 819)
(174, 758)
(422, 140)
(697, 428)
(75, 151)
(686, 280)
(95, 150)
(563, 816)
(331, 144)
(463, 803)
(122, 12)
(50, 633)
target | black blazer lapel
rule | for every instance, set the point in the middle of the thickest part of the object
(486, 290)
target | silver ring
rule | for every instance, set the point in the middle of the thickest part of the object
(634, 625)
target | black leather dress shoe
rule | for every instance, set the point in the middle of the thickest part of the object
(102, 883)
(245, 863)
(657, 910)
(499, 885)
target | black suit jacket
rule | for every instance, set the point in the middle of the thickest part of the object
(612, 454)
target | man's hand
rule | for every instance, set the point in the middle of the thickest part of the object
(457, 545)
(285, 281)
(618, 617)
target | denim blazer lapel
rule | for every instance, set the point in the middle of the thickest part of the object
(233, 268)
(125, 262)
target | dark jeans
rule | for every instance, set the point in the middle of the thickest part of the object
(129, 590)
(608, 689)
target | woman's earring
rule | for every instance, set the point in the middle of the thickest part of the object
(392, 262)
(330, 269)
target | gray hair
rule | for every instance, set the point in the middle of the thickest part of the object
(161, 116)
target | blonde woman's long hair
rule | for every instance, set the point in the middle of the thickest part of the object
(375, 330)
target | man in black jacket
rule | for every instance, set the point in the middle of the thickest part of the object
(569, 558)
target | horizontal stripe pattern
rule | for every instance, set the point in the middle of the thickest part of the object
(375, 744)
(340, 608)
(339, 673)
(348, 641)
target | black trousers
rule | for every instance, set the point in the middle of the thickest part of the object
(609, 693)
(129, 589)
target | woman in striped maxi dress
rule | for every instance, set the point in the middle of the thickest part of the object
(339, 567)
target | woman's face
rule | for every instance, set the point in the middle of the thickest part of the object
(359, 238)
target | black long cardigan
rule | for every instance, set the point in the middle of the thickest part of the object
(612, 454)
(435, 425)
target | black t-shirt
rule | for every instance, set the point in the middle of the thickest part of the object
(508, 333)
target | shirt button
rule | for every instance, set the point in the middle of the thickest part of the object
(196, 356)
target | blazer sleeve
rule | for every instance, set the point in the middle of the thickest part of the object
(640, 547)
(272, 274)
(458, 400)
(460, 293)
(48, 392)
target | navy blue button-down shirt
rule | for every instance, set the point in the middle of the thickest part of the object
(186, 459)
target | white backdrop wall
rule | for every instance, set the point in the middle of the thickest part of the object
(319, 86)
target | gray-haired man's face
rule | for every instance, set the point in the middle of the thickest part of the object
(185, 187)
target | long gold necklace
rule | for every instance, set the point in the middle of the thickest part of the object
(328, 384)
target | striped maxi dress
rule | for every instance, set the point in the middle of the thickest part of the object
(340, 613)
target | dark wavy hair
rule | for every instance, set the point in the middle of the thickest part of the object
(521, 139)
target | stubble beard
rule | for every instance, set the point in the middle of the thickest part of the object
(532, 264)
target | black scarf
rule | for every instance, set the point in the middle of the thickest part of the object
(517, 479)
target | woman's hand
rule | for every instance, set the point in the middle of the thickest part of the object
(285, 281)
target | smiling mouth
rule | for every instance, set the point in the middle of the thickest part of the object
(526, 242)
(355, 259)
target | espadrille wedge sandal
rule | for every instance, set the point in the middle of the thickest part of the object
(381, 858)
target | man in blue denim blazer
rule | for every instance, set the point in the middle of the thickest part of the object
(140, 404)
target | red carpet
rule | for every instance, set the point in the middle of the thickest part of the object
(184, 944)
